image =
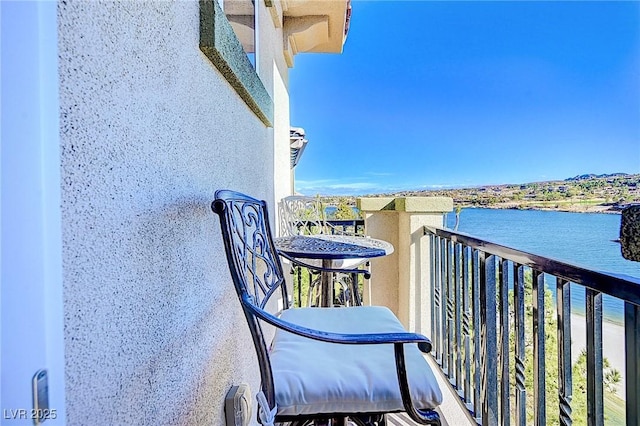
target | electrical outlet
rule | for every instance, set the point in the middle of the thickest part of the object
(237, 406)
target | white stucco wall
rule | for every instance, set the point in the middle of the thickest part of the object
(273, 67)
(149, 130)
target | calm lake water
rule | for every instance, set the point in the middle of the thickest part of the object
(582, 239)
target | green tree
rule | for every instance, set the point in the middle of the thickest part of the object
(344, 211)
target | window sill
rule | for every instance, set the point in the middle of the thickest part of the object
(220, 44)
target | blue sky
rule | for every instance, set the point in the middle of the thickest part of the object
(431, 94)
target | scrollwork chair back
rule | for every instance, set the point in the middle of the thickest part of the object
(301, 215)
(254, 265)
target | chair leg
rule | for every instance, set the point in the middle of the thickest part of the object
(355, 291)
(343, 298)
(313, 297)
(371, 420)
(349, 283)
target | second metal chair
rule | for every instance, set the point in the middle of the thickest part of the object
(300, 215)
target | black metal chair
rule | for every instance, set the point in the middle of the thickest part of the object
(323, 363)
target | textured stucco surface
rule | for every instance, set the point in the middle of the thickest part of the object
(630, 233)
(402, 281)
(149, 130)
(384, 270)
(407, 204)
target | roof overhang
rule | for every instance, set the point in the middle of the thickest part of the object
(313, 26)
(298, 142)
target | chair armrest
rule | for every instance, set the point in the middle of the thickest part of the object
(342, 338)
(298, 262)
(420, 416)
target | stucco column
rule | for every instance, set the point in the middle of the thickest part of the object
(400, 281)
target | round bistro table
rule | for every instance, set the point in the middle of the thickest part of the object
(330, 249)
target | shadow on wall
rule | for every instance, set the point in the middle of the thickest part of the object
(159, 319)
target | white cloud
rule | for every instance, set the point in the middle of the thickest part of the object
(353, 186)
(445, 185)
(337, 187)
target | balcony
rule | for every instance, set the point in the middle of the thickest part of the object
(508, 343)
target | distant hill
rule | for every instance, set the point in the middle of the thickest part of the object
(592, 176)
(607, 193)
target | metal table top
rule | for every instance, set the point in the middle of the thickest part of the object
(332, 246)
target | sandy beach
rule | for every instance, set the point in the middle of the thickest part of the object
(612, 345)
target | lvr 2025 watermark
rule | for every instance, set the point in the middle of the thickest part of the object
(29, 413)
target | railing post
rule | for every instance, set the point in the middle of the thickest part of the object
(451, 326)
(565, 392)
(457, 305)
(595, 396)
(401, 281)
(520, 390)
(478, 273)
(632, 352)
(467, 255)
(539, 379)
(440, 286)
(445, 285)
(505, 403)
(435, 297)
(489, 340)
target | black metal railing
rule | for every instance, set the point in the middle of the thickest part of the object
(492, 332)
(337, 226)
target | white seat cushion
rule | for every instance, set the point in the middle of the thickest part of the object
(312, 377)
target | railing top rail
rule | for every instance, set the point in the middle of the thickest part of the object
(624, 287)
(358, 221)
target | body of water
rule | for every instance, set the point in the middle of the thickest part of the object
(582, 239)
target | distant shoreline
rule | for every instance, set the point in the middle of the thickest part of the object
(568, 208)
(590, 193)
(604, 209)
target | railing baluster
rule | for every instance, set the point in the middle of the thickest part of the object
(539, 400)
(505, 406)
(466, 321)
(632, 369)
(438, 300)
(595, 397)
(489, 339)
(518, 302)
(444, 296)
(565, 392)
(457, 313)
(475, 296)
(433, 275)
(451, 370)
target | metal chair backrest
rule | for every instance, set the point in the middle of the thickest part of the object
(254, 264)
(301, 215)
